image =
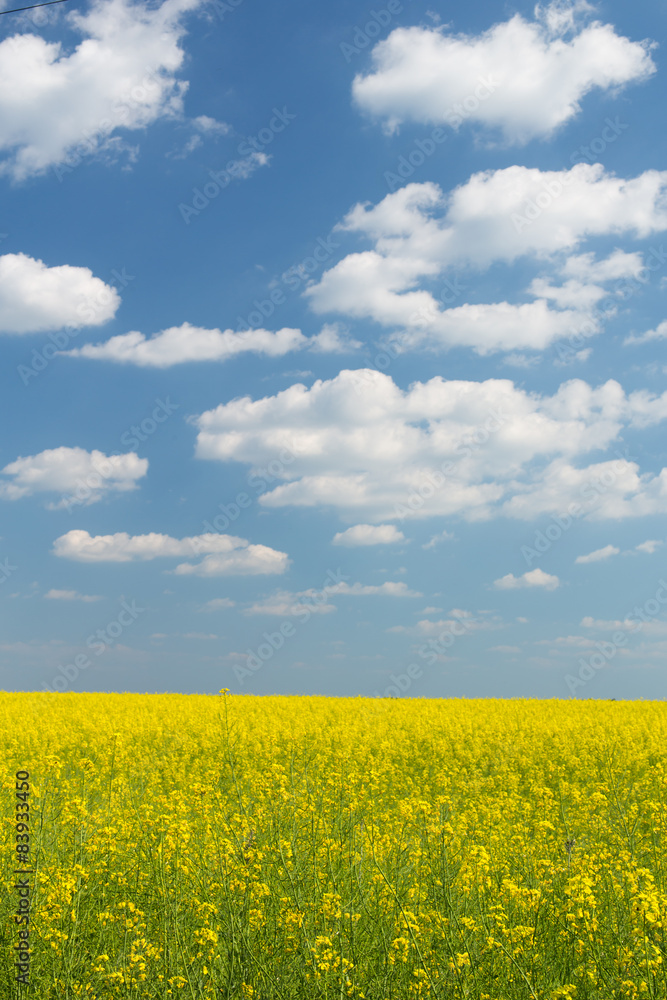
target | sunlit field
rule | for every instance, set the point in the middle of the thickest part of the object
(247, 847)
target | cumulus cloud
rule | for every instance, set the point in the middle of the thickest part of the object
(442, 536)
(224, 555)
(286, 604)
(565, 644)
(246, 560)
(219, 604)
(203, 127)
(180, 344)
(533, 578)
(57, 104)
(659, 333)
(522, 79)
(418, 233)
(82, 477)
(650, 546)
(333, 339)
(369, 534)
(388, 589)
(35, 297)
(210, 126)
(490, 327)
(70, 595)
(585, 279)
(457, 623)
(475, 449)
(585, 268)
(598, 555)
(610, 625)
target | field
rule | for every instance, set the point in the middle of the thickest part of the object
(246, 847)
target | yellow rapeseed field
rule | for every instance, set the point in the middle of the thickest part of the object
(294, 847)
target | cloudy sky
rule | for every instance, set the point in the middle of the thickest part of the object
(334, 348)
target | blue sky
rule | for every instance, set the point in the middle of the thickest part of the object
(334, 348)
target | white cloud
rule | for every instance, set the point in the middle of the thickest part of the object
(418, 234)
(204, 126)
(523, 79)
(533, 578)
(628, 494)
(598, 555)
(82, 477)
(585, 279)
(219, 604)
(369, 534)
(490, 327)
(659, 333)
(209, 126)
(57, 104)
(333, 339)
(244, 561)
(34, 297)
(651, 629)
(610, 625)
(650, 546)
(377, 453)
(519, 360)
(564, 644)
(180, 344)
(387, 589)
(70, 595)
(286, 604)
(443, 536)
(223, 554)
(619, 264)
(455, 617)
